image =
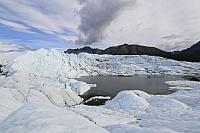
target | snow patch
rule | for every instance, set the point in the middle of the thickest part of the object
(128, 100)
(42, 118)
(132, 129)
(177, 112)
(103, 116)
(8, 103)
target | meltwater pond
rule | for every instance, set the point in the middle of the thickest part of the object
(111, 85)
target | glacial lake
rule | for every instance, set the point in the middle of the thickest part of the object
(111, 85)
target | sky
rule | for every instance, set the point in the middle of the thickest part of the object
(169, 25)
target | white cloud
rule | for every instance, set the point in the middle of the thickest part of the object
(16, 26)
(13, 24)
(68, 37)
(48, 16)
(167, 24)
(151, 21)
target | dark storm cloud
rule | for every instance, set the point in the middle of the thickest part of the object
(96, 15)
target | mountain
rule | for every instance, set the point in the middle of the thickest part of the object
(191, 54)
(193, 50)
(84, 50)
(124, 49)
(134, 50)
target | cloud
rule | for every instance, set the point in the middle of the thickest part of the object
(169, 25)
(13, 24)
(47, 16)
(16, 26)
(150, 22)
(96, 15)
(172, 36)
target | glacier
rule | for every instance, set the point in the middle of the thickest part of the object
(39, 93)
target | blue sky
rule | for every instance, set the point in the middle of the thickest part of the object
(39, 23)
(169, 25)
(34, 40)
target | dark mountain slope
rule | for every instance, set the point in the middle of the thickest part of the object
(84, 50)
(134, 50)
(193, 50)
(124, 49)
(191, 54)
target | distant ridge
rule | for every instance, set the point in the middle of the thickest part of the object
(84, 50)
(124, 49)
(191, 54)
(127, 49)
(193, 50)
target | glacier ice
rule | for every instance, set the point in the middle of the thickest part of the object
(42, 118)
(40, 94)
(127, 100)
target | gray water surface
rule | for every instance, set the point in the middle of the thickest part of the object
(111, 85)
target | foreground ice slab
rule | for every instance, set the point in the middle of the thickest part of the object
(132, 129)
(8, 103)
(41, 118)
(105, 117)
(178, 112)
